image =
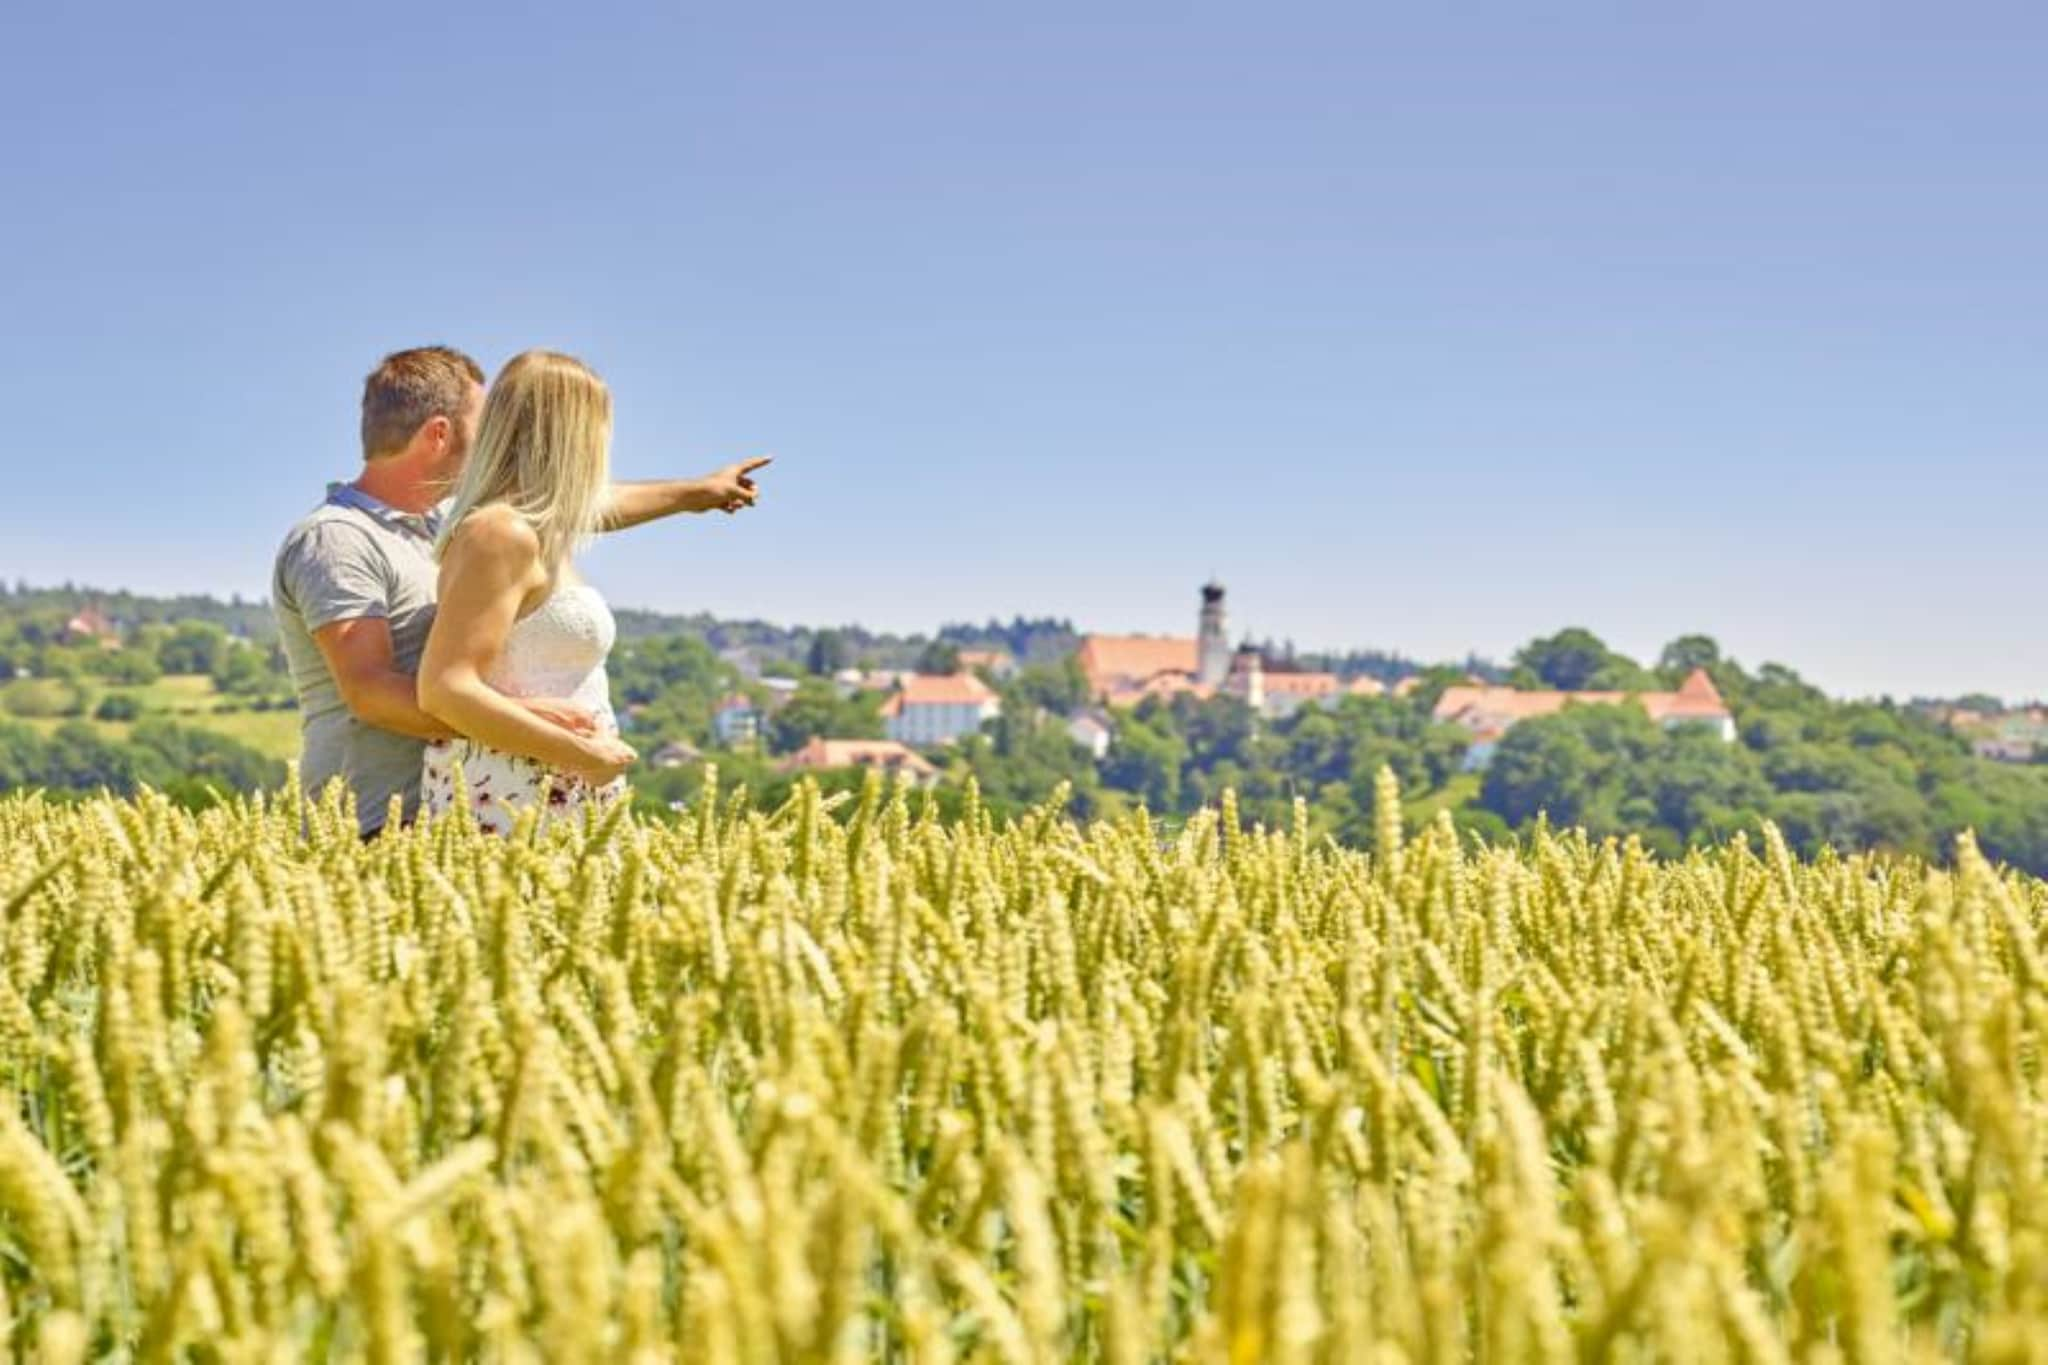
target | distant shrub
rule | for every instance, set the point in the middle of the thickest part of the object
(117, 706)
(124, 666)
(44, 698)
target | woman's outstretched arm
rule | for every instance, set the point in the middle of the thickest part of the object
(491, 566)
(726, 490)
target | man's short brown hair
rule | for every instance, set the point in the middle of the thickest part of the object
(408, 388)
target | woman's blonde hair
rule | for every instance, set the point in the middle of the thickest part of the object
(544, 448)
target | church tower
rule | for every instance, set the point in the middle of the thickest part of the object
(1212, 646)
(1248, 676)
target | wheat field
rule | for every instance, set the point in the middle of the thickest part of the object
(857, 1083)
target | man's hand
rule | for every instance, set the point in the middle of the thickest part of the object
(577, 720)
(731, 488)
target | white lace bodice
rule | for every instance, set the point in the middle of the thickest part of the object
(559, 649)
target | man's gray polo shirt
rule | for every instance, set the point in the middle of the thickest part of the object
(355, 558)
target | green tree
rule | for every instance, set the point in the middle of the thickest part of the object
(818, 711)
(194, 647)
(1433, 682)
(1620, 674)
(1574, 765)
(1024, 755)
(126, 667)
(1568, 660)
(1145, 760)
(1688, 652)
(1060, 688)
(828, 654)
(1702, 786)
(939, 658)
(1541, 768)
(167, 751)
(243, 671)
(44, 698)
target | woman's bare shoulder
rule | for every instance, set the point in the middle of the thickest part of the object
(496, 543)
(496, 530)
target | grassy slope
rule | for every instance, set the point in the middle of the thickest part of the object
(188, 700)
(1459, 792)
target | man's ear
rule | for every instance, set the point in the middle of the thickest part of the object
(438, 431)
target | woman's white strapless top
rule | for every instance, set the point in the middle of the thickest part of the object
(559, 650)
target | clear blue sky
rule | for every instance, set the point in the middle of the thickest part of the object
(1424, 327)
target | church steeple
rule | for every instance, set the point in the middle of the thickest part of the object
(1212, 654)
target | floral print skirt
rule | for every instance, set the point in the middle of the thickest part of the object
(500, 785)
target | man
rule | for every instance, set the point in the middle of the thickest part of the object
(353, 587)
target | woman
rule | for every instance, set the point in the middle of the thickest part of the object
(514, 620)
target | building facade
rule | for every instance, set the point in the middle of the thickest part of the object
(1488, 712)
(736, 721)
(927, 710)
(822, 755)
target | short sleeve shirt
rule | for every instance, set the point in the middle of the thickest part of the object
(355, 558)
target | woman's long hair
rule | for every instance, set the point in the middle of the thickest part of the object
(544, 447)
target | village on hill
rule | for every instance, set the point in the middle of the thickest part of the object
(924, 712)
(118, 691)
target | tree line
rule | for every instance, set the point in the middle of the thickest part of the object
(1863, 774)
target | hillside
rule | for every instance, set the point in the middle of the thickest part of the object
(1868, 775)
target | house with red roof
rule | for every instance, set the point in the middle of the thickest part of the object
(1123, 670)
(90, 623)
(2015, 736)
(1123, 665)
(1093, 731)
(822, 755)
(997, 663)
(1287, 693)
(931, 709)
(1489, 712)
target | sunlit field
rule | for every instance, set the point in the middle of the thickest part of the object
(846, 1081)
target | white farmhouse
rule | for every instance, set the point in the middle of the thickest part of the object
(929, 710)
(1490, 712)
(1091, 731)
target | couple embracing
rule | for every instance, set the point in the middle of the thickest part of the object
(430, 609)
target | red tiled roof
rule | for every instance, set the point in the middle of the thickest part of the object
(1161, 685)
(954, 689)
(1110, 660)
(858, 753)
(1484, 707)
(1301, 684)
(91, 621)
(1696, 699)
(1500, 703)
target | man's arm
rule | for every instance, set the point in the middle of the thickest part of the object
(377, 692)
(358, 654)
(492, 564)
(335, 579)
(727, 490)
